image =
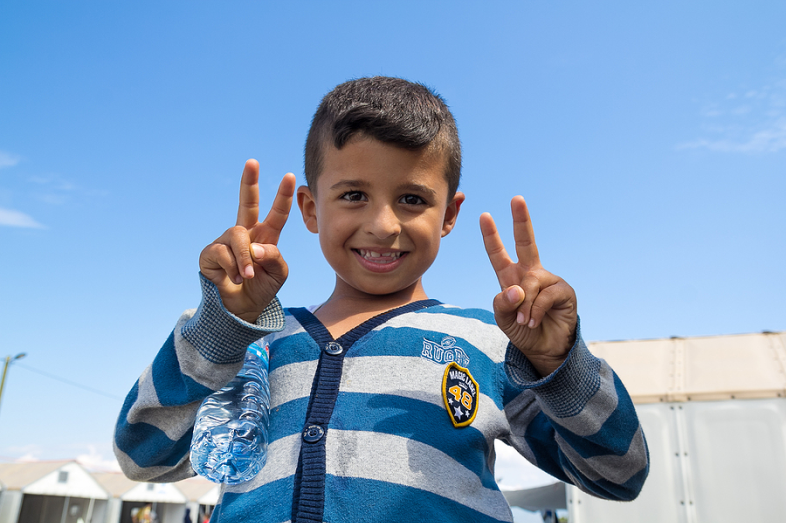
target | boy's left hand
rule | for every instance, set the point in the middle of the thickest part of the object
(536, 309)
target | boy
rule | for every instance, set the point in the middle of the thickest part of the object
(385, 404)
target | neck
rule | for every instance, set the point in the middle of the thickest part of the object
(348, 307)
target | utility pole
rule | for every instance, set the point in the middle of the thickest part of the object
(8, 361)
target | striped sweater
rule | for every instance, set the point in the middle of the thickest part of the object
(394, 421)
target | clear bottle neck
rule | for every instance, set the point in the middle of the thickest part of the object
(259, 350)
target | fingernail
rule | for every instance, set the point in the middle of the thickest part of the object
(248, 272)
(257, 250)
(238, 279)
(531, 323)
(520, 318)
(513, 295)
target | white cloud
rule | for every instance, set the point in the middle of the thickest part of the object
(11, 218)
(54, 182)
(751, 120)
(96, 462)
(92, 460)
(8, 159)
(769, 139)
(26, 453)
(54, 189)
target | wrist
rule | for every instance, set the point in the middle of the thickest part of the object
(545, 365)
(528, 369)
(249, 317)
(550, 352)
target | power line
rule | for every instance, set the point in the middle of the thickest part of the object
(69, 382)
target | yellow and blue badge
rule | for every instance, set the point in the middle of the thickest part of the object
(460, 393)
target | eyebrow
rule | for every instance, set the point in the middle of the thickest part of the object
(416, 187)
(350, 184)
(361, 184)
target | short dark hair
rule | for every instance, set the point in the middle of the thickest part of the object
(391, 110)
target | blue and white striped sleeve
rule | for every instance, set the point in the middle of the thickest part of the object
(581, 427)
(203, 353)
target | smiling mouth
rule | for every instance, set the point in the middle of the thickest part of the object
(379, 257)
(380, 261)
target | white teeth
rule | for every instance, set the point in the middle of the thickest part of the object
(373, 254)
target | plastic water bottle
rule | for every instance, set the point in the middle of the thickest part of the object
(231, 430)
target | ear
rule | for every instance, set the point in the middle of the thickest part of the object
(308, 208)
(451, 213)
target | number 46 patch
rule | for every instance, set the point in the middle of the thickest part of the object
(460, 392)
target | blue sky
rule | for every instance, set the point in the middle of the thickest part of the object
(649, 141)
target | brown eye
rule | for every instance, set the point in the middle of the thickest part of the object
(411, 199)
(353, 196)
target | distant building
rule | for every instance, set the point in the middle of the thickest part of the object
(65, 492)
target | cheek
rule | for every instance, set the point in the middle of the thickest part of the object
(327, 239)
(333, 232)
(429, 235)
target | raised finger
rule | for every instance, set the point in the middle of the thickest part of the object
(523, 233)
(495, 249)
(279, 212)
(248, 208)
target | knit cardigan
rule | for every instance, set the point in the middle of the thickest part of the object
(394, 421)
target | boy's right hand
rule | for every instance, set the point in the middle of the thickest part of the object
(244, 262)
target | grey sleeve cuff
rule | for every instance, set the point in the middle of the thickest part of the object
(566, 390)
(220, 336)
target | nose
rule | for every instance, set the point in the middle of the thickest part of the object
(383, 222)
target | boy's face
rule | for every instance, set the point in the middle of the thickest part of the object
(380, 212)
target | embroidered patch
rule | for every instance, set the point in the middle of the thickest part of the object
(460, 393)
(445, 352)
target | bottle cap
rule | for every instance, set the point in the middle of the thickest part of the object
(260, 351)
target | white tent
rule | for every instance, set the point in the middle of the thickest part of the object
(168, 500)
(60, 491)
(202, 495)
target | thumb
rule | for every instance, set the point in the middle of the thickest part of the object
(506, 305)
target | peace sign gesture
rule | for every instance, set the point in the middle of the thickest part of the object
(536, 309)
(244, 262)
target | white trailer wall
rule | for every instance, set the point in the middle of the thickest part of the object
(713, 461)
(714, 414)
